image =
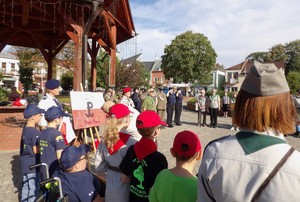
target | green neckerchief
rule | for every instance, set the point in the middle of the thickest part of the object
(252, 142)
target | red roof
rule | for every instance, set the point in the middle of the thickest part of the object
(245, 66)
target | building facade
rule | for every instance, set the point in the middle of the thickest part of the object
(235, 75)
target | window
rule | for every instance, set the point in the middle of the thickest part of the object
(234, 89)
(236, 75)
(229, 76)
(12, 67)
(3, 70)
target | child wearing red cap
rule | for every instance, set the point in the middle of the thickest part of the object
(143, 162)
(111, 151)
(179, 183)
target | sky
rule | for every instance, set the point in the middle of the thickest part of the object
(235, 28)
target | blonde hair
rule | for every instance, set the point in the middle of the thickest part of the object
(111, 134)
(275, 112)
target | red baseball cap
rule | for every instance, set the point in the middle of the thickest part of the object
(188, 139)
(148, 119)
(127, 89)
(119, 110)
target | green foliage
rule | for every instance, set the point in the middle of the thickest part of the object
(289, 53)
(102, 70)
(4, 94)
(293, 56)
(259, 56)
(192, 100)
(293, 79)
(190, 57)
(278, 53)
(28, 60)
(26, 77)
(67, 80)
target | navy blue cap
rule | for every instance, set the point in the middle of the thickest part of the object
(52, 84)
(71, 155)
(54, 112)
(32, 110)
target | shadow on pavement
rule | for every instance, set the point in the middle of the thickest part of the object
(16, 173)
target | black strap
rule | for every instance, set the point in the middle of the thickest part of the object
(57, 103)
(272, 174)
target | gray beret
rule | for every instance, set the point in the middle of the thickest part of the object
(265, 80)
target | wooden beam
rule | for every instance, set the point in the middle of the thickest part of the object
(127, 15)
(113, 57)
(7, 40)
(93, 53)
(99, 40)
(25, 13)
(120, 23)
(107, 21)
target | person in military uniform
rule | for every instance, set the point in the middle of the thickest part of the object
(161, 103)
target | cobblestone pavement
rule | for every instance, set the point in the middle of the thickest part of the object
(11, 177)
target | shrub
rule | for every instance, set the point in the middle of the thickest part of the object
(192, 100)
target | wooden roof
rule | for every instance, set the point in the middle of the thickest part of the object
(48, 24)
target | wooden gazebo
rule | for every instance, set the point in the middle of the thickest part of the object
(49, 24)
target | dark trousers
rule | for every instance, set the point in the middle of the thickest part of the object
(202, 117)
(178, 109)
(170, 111)
(213, 112)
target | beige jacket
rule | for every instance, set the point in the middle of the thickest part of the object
(161, 101)
(229, 172)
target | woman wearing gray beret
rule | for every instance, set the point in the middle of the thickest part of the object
(256, 164)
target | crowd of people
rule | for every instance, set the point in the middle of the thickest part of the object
(256, 164)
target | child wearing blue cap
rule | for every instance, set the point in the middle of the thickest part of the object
(29, 151)
(77, 182)
(51, 140)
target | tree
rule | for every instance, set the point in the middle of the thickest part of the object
(67, 80)
(102, 70)
(293, 56)
(65, 57)
(132, 75)
(259, 56)
(293, 79)
(278, 53)
(27, 63)
(190, 57)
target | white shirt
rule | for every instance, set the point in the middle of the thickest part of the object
(46, 102)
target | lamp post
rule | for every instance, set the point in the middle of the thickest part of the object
(42, 80)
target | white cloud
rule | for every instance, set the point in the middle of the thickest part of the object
(234, 27)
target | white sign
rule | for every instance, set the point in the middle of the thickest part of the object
(86, 109)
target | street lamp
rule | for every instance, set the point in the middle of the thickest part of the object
(42, 81)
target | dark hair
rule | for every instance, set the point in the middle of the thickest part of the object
(146, 132)
(185, 147)
(263, 112)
